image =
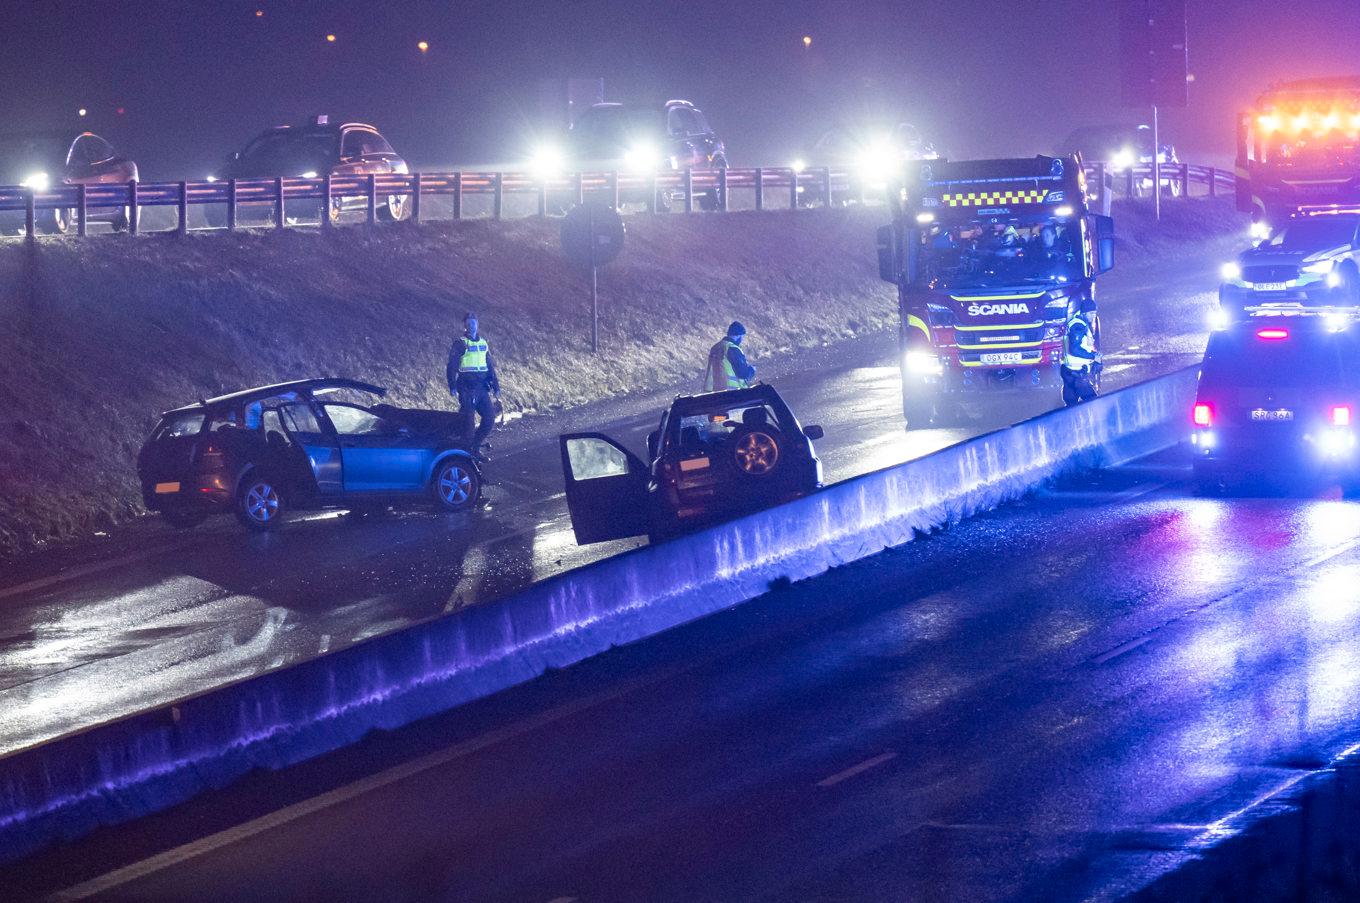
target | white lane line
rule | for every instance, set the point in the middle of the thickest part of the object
(1120, 650)
(857, 769)
(268, 822)
(563, 900)
(86, 570)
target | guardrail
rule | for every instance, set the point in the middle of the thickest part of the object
(327, 200)
(115, 771)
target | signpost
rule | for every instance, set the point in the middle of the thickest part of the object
(592, 235)
(1154, 66)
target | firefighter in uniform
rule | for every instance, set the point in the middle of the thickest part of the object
(471, 376)
(1081, 360)
(727, 365)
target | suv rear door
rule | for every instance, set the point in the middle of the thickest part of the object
(606, 488)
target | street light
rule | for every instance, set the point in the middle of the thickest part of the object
(423, 46)
(807, 40)
(330, 39)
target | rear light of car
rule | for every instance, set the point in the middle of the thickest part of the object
(1272, 333)
(1341, 415)
(1203, 414)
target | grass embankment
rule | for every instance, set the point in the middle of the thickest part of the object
(97, 336)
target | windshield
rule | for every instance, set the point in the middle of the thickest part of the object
(291, 150)
(1314, 152)
(1304, 360)
(980, 255)
(1319, 234)
(611, 130)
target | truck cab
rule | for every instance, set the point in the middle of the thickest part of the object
(991, 259)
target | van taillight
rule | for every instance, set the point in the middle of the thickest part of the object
(1341, 415)
(1204, 414)
(1273, 334)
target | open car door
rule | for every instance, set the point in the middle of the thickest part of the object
(606, 488)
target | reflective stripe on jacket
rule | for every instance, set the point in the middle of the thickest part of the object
(1079, 345)
(721, 374)
(474, 356)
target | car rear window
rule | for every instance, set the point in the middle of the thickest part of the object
(1305, 359)
(176, 425)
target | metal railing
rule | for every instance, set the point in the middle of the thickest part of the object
(327, 200)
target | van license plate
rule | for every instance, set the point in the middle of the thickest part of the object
(1002, 357)
(1279, 414)
(166, 488)
(1271, 286)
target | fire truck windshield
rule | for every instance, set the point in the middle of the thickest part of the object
(975, 254)
(1313, 152)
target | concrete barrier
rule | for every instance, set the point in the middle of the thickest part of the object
(126, 768)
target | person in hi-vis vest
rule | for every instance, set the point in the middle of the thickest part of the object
(472, 380)
(1081, 359)
(727, 365)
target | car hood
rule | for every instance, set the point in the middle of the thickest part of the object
(1276, 257)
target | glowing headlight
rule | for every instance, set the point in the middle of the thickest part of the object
(876, 163)
(1321, 266)
(1259, 231)
(212, 178)
(38, 181)
(642, 158)
(798, 166)
(1064, 210)
(1122, 159)
(1335, 322)
(1230, 271)
(547, 161)
(926, 217)
(309, 174)
(1334, 279)
(923, 363)
(1218, 319)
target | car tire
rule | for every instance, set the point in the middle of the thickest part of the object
(183, 520)
(397, 208)
(259, 502)
(57, 221)
(757, 452)
(456, 485)
(1350, 280)
(712, 200)
(123, 220)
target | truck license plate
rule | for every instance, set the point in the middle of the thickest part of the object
(1279, 414)
(1002, 357)
(166, 488)
(1271, 286)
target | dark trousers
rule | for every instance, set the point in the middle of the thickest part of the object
(474, 404)
(1077, 386)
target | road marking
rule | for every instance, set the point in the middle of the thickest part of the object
(136, 871)
(563, 900)
(857, 769)
(86, 570)
(1120, 650)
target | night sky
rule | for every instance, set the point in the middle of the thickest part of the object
(197, 79)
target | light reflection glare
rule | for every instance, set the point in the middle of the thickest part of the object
(1331, 521)
(1334, 596)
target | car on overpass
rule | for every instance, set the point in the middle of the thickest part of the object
(315, 150)
(1278, 398)
(262, 451)
(714, 456)
(638, 140)
(1312, 259)
(1122, 147)
(43, 161)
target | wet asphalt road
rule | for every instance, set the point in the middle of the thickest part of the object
(1058, 700)
(149, 615)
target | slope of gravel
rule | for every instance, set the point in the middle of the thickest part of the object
(98, 336)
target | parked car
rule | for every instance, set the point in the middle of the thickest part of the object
(263, 451)
(312, 151)
(717, 455)
(43, 161)
(639, 139)
(1312, 260)
(1121, 147)
(873, 157)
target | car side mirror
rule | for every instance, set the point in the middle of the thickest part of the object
(653, 443)
(814, 432)
(1104, 244)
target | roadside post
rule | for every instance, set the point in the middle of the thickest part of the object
(592, 235)
(1154, 66)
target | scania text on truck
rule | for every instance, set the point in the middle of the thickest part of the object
(1299, 146)
(991, 259)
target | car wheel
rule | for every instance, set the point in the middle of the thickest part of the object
(397, 208)
(1350, 280)
(712, 200)
(259, 504)
(756, 452)
(456, 485)
(55, 222)
(123, 220)
(183, 520)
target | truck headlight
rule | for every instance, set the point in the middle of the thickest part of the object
(1218, 319)
(923, 363)
(1230, 271)
(37, 181)
(642, 158)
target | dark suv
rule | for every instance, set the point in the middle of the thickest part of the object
(313, 151)
(718, 455)
(1278, 397)
(1312, 260)
(295, 445)
(643, 140)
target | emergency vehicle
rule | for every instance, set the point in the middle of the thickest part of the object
(1299, 146)
(1277, 399)
(991, 259)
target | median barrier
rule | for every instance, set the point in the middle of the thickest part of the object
(126, 768)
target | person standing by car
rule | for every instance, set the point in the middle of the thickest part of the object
(1081, 360)
(727, 364)
(471, 376)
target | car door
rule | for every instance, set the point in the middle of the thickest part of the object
(377, 454)
(606, 488)
(319, 443)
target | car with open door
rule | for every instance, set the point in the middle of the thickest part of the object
(304, 445)
(714, 456)
(46, 161)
